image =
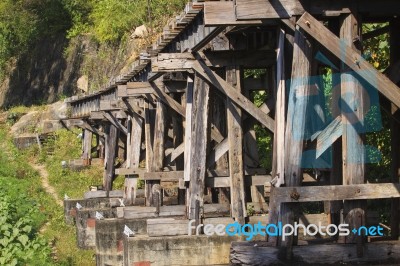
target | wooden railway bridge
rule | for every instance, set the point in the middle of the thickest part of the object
(183, 118)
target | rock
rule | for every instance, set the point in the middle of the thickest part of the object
(140, 32)
(83, 83)
(45, 121)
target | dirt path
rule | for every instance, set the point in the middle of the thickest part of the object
(44, 177)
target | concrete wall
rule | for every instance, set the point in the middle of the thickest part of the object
(109, 239)
(177, 250)
(85, 225)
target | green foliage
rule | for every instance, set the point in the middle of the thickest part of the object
(23, 22)
(66, 146)
(20, 209)
(376, 50)
(111, 20)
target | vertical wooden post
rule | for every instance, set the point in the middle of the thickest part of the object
(101, 145)
(218, 120)
(295, 126)
(198, 149)
(87, 147)
(134, 143)
(149, 149)
(395, 131)
(278, 164)
(235, 139)
(352, 109)
(188, 138)
(178, 127)
(336, 171)
(158, 146)
(111, 134)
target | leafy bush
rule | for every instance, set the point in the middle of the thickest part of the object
(20, 214)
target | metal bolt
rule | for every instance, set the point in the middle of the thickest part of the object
(308, 23)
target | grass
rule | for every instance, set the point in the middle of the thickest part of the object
(23, 186)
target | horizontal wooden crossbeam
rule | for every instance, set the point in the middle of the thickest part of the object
(339, 192)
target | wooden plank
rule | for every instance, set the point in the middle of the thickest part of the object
(188, 130)
(169, 101)
(263, 9)
(159, 137)
(329, 135)
(149, 148)
(87, 146)
(280, 115)
(218, 152)
(198, 142)
(164, 176)
(298, 99)
(235, 143)
(223, 13)
(112, 134)
(353, 152)
(246, 253)
(134, 142)
(235, 96)
(350, 57)
(337, 192)
(167, 62)
(130, 171)
(114, 121)
(177, 151)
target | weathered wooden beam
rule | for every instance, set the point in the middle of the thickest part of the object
(219, 150)
(236, 97)
(111, 134)
(159, 137)
(132, 89)
(246, 253)
(280, 115)
(262, 9)
(169, 101)
(113, 120)
(177, 151)
(270, 9)
(337, 192)
(188, 129)
(164, 176)
(134, 108)
(235, 144)
(350, 57)
(98, 115)
(166, 62)
(130, 171)
(198, 149)
(298, 99)
(353, 151)
(87, 146)
(223, 13)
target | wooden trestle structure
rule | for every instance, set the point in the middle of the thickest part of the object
(183, 118)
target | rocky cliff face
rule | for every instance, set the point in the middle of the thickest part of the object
(56, 67)
(43, 74)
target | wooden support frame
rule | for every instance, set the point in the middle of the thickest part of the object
(198, 147)
(112, 133)
(350, 57)
(337, 192)
(235, 143)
